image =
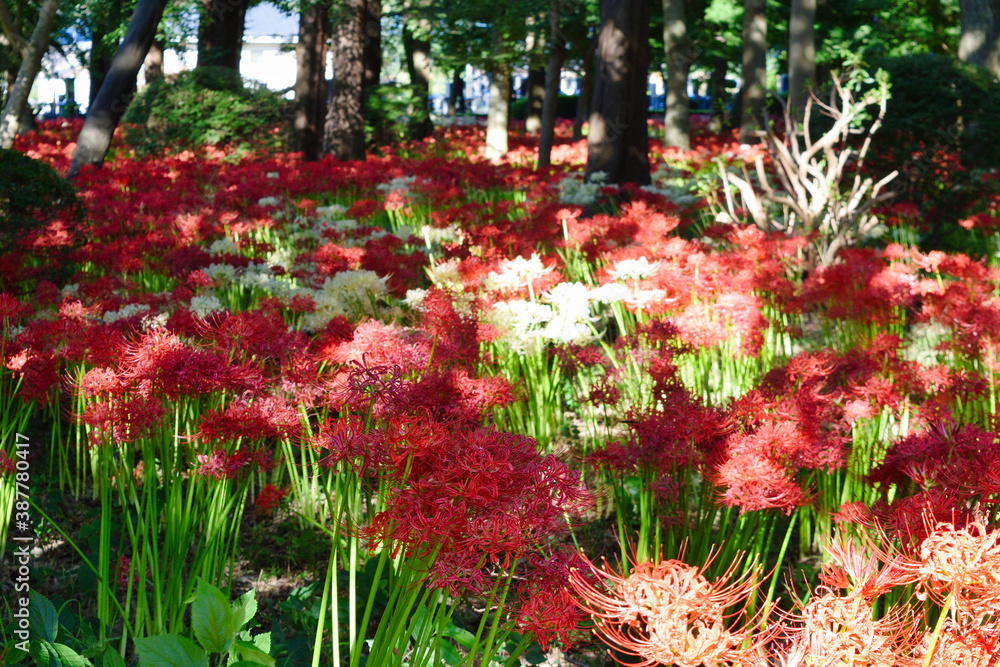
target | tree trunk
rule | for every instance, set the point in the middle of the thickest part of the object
(119, 86)
(553, 74)
(801, 54)
(534, 102)
(679, 54)
(717, 92)
(17, 98)
(417, 49)
(754, 69)
(456, 95)
(618, 141)
(977, 28)
(152, 67)
(220, 33)
(310, 79)
(344, 133)
(373, 44)
(586, 91)
(993, 59)
(497, 116)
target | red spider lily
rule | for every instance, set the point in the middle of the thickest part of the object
(548, 610)
(267, 417)
(869, 570)
(269, 499)
(964, 564)
(670, 614)
(239, 464)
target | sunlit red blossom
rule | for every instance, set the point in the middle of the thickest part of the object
(384, 345)
(946, 454)
(38, 373)
(221, 465)
(968, 647)
(348, 439)
(269, 499)
(964, 563)
(259, 337)
(908, 519)
(866, 569)
(266, 417)
(99, 381)
(753, 481)
(835, 630)
(669, 614)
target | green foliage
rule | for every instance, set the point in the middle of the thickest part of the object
(207, 106)
(391, 113)
(32, 194)
(218, 627)
(939, 103)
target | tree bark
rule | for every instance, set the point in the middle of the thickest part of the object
(456, 95)
(586, 91)
(679, 54)
(310, 79)
(717, 92)
(220, 33)
(977, 30)
(553, 75)
(535, 101)
(618, 140)
(31, 63)
(118, 87)
(152, 66)
(801, 54)
(497, 116)
(754, 69)
(344, 133)
(417, 49)
(372, 44)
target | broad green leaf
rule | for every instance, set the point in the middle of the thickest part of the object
(169, 651)
(47, 654)
(212, 618)
(43, 621)
(263, 642)
(460, 635)
(244, 609)
(111, 659)
(251, 653)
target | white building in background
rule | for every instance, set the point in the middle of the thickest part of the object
(268, 56)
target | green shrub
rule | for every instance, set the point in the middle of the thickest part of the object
(32, 194)
(207, 106)
(941, 103)
(391, 113)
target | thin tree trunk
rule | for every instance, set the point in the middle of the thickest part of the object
(618, 140)
(310, 80)
(801, 54)
(17, 99)
(993, 59)
(456, 95)
(152, 67)
(119, 86)
(977, 28)
(535, 100)
(344, 133)
(417, 49)
(586, 91)
(220, 33)
(553, 75)
(717, 93)
(754, 69)
(498, 114)
(679, 55)
(373, 44)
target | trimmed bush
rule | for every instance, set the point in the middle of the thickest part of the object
(207, 106)
(32, 194)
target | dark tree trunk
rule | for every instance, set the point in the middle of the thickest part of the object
(618, 141)
(119, 86)
(993, 59)
(535, 100)
(754, 88)
(373, 44)
(717, 92)
(344, 133)
(586, 91)
(801, 54)
(417, 50)
(153, 65)
(310, 80)
(101, 55)
(456, 95)
(17, 98)
(977, 28)
(220, 33)
(679, 55)
(553, 74)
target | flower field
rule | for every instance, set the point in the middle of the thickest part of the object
(485, 415)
